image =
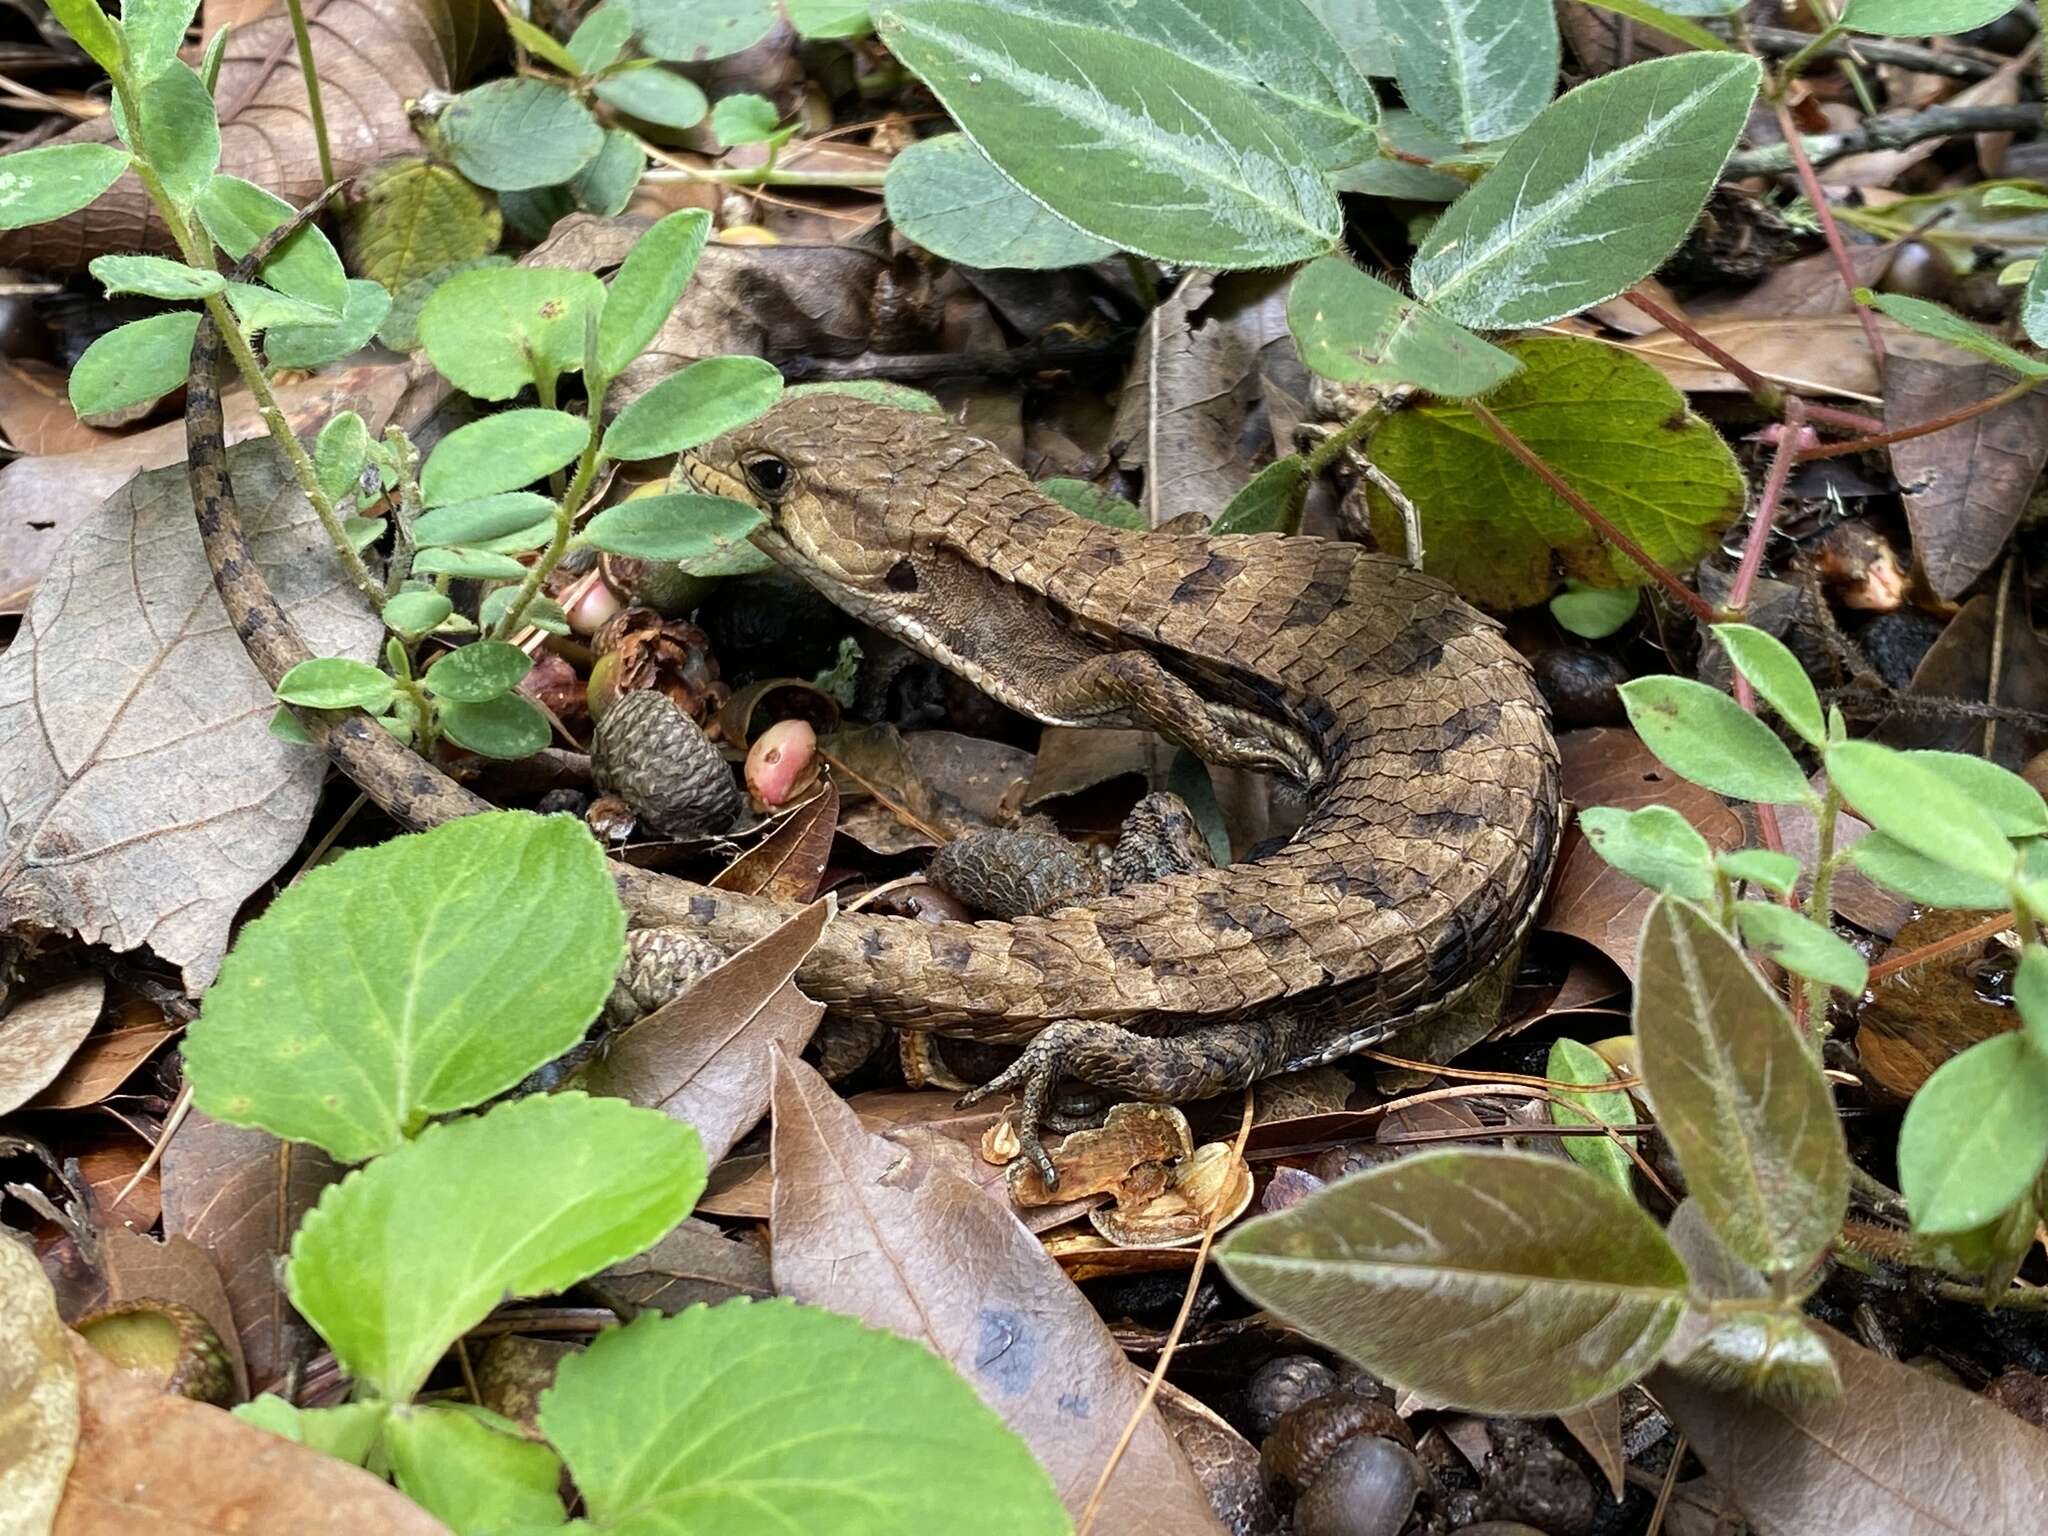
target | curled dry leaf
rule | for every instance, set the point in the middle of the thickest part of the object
(1899, 1451)
(142, 796)
(102, 1065)
(1130, 1156)
(41, 1031)
(1590, 899)
(38, 1391)
(788, 863)
(703, 1058)
(147, 1461)
(237, 1193)
(373, 56)
(865, 1227)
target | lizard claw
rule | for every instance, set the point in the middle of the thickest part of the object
(1031, 1077)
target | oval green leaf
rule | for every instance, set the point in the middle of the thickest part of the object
(505, 452)
(693, 406)
(512, 134)
(703, 29)
(494, 331)
(477, 672)
(38, 185)
(1354, 327)
(1921, 18)
(417, 611)
(157, 277)
(1802, 946)
(1705, 736)
(238, 214)
(1780, 681)
(679, 526)
(142, 361)
(1975, 1135)
(479, 521)
(947, 196)
(1654, 845)
(649, 283)
(315, 346)
(1571, 1062)
(1478, 70)
(1919, 807)
(744, 119)
(335, 682)
(508, 726)
(176, 129)
(654, 95)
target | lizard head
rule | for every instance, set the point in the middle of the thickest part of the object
(837, 477)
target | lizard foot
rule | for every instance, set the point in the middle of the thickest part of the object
(1032, 1077)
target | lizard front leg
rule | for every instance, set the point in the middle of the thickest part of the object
(1133, 685)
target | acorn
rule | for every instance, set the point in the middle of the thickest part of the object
(655, 758)
(166, 1343)
(1349, 1461)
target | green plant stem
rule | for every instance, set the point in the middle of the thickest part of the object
(1327, 452)
(423, 722)
(753, 175)
(1787, 72)
(565, 524)
(1813, 995)
(304, 39)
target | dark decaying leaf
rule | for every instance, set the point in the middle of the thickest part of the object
(865, 1227)
(1738, 1094)
(696, 1262)
(1919, 1017)
(1899, 1452)
(142, 795)
(1497, 1281)
(238, 1193)
(102, 1065)
(39, 1033)
(151, 1461)
(1985, 656)
(1965, 485)
(373, 56)
(704, 1057)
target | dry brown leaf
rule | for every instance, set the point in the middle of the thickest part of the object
(110, 1166)
(867, 1228)
(695, 1262)
(43, 499)
(1590, 899)
(102, 1065)
(1597, 1428)
(41, 1031)
(1918, 1018)
(142, 796)
(788, 863)
(1899, 1452)
(902, 812)
(1803, 288)
(703, 1058)
(35, 411)
(373, 56)
(1959, 666)
(238, 1193)
(1820, 354)
(1966, 485)
(178, 1270)
(148, 1461)
(38, 1392)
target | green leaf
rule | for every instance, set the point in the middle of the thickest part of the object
(1975, 1135)
(1802, 946)
(421, 976)
(693, 406)
(744, 119)
(1557, 1288)
(508, 726)
(416, 611)
(1670, 19)
(335, 682)
(1124, 138)
(402, 1257)
(1594, 612)
(505, 452)
(238, 214)
(495, 330)
(2014, 806)
(38, 185)
(94, 31)
(829, 18)
(348, 1431)
(155, 276)
(467, 563)
(541, 613)
(703, 29)
(1930, 319)
(1478, 69)
(1405, 134)
(339, 454)
(1592, 197)
(1351, 326)
(510, 134)
(1774, 872)
(1613, 427)
(606, 185)
(1739, 1097)
(1920, 18)
(600, 37)
(647, 286)
(1571, 1062)
(1780, 681)
(486, 518)
(1270, 501)
(259, 307)
(141, 361)
(1765, 1352)
(155, 30)
(176, 130)
(654, 95)
(2034, 305)
(947, 196)
(1357, 27)
(417, 217)
(1654, 845)
(1919, 807)
(1898, 868)
(472, 1469)
(687, 1425)
(2030, 993)
(679, 526)
(314, 346)
(1703, 735)
(478, 672)
(1088, 500)
(541, 43)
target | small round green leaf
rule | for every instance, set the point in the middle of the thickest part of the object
(469, 564)
(506, 727)
(1654, 845)
(315, 346)
(654, 95)
(606, 185)
(416, 217)
(38, 185)
(417, 611)
(142, 361)
(511, 134)
(1351, 326)
(1594, 613)
(339, 454)
(703, 29)
(744, 119)
(1703, 735)
(505, 452)
(472, 1469)
(600, 37)
(335, 682)
(693, 406)
(1975, 1135)
(478, 672)
(494, 331)
(480, 521)
(679, 526)
(1780, 681)
(1919, 807)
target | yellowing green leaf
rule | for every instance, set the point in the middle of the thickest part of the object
(1351, 326)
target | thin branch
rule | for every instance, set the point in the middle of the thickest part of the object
(1945, 420)
(1783, 42)
(1837, 246)
(1889, 130)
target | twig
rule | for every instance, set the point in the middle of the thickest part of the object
(1925, 954)
(1008, 363)
(1889, 130)
(1783, 42)
(1837, 246)
(1941, 423)
(1692, 602)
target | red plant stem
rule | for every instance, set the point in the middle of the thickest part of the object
(1768, 395)
(1834, 416)
(1810, 184)
(1689, 599)
(1939, 423)
(1891, 965)
(1767, 508)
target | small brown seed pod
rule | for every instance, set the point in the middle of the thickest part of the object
(654, 757)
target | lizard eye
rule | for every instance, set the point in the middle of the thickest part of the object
(768, 475)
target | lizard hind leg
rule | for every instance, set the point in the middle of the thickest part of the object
(1195, 1064)
(1134, 686)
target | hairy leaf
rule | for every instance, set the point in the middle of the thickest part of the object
(1976, 1135)
(947, 196)
(1351, 326)
(1479, 70)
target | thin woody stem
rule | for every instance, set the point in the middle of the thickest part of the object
(1837, 246)
(1939, 423)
